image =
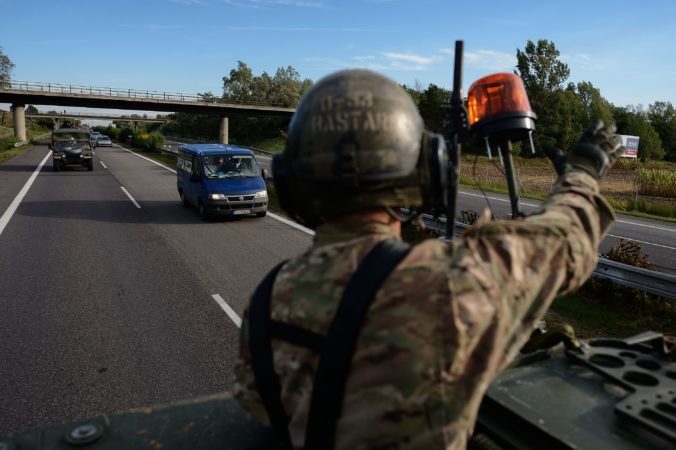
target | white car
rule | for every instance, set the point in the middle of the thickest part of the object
(103, 141)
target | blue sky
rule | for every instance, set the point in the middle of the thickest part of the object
(625, 48)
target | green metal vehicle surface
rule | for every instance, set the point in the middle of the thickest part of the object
(609, 394)
(71, 147)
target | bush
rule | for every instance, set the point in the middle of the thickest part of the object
(657, 182)
(147, 141)
(628, 252)
(630, 300)
(7, 143)
(125, 132)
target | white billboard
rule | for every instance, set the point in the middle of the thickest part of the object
(630, 143)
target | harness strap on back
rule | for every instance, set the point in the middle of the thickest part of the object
(335, 361)
(262, 363)
(336, 349)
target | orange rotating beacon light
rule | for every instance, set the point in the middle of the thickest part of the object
(499, 111)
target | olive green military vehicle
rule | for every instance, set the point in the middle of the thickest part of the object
(71, 147)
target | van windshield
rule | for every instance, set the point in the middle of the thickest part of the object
(230, 166)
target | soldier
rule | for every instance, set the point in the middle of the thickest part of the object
(403, 359)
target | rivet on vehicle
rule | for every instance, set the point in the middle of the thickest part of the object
(84, 434)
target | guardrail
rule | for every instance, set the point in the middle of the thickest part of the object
(37, 86)
(656, 283)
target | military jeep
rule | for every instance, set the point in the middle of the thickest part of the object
(71, 147)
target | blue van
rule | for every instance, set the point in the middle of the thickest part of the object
(221, 180)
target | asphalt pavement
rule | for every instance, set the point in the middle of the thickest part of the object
(113, 298)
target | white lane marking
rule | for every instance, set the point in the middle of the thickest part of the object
(130, 197)
(291, 223)
(264, 157)
(647, 226)
(104, 166)
(147, 159)
(496, 199)
(673, 230)
(228, 310)
(11, 209)
(641, 242)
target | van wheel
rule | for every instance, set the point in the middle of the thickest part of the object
(261, 214)
(184, 200)
(204, 214)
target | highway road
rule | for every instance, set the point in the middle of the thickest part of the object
(110, 300)
(113, 296)
(657, 238)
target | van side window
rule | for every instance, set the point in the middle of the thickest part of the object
(184, 162)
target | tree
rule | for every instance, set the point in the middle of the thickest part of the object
(543, 76)
(30, 109)
(595, 106)
(239, 85)
(540, 69)
(207, 97)
(6, 67)
(286, 87)
(431, 104)
(662, 117)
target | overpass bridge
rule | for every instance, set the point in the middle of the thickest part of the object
(22, 93)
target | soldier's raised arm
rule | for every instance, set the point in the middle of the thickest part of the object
(553, 251)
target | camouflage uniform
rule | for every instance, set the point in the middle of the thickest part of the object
(444, 324)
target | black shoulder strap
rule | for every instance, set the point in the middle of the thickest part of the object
(335, 361)
(260, 346)
(336, 349)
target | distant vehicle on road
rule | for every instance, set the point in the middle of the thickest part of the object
(103, 141)
(221, 180)
(71, 147)
(94, 135)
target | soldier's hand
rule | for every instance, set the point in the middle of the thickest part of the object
(596, 151)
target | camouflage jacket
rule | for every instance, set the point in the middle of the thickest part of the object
(443, 325)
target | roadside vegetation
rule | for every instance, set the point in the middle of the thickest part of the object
(645, 189)
(7, 139)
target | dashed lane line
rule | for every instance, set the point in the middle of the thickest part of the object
(228, 310)
(130, 197)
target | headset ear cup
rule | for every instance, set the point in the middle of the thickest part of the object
(437, 161)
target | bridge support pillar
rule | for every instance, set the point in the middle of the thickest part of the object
(19, 121)
(223, 131)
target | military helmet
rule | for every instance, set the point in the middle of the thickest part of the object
(354, 143)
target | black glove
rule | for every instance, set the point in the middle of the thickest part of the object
(596, 151)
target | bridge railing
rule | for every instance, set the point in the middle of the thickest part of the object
(38, 86)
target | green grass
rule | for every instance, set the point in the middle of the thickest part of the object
(273, 145)
(592, 317)
(163, 158)
(7, 149)
(646, 209)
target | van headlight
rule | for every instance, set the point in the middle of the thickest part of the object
(261, 194)
(217, 196)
